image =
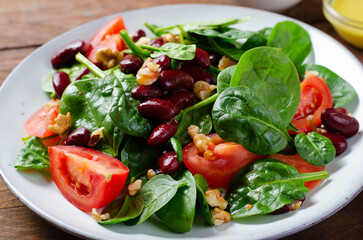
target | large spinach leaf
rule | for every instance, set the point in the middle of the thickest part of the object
(242, 117)
(33, 155)
(173, 50)
(341, 90)
(315, 148)
(202, 185)
(156, 193)
(178, 213)
(269, 185)
(199, 117)
(271, 75)
(227, 34)
(138, 156)
(292, 39)
(224, 78)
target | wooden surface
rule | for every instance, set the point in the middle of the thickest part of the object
(27, 24)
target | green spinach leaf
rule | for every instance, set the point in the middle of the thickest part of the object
(269, 185)
(224, 78)
(177, 148)
(202, 185)
(315, 148)
(173, 50)
(242, 117)
(341, 90)
(178, 213)
(272, 76)
(33, 155)
(292, 39)
(227, 34)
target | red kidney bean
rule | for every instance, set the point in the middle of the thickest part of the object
(214, 58)
(79, 137)
(130, 64)
(338, 141)
(83, 72)
(162, 133)
(65, 56)
(336, 121)
(180, 98)
(198, 74)
(143, 92)
(158, 109)
(138, 34)
(60, 82)
(343, 110)
(201, 59)
(288, 207)
(172, 80)
(168, 162)
(164, 62)
(157, 42)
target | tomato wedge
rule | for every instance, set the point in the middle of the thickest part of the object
(107, 36)
(301, 165)
(315, 97)
(230, 158)
(37, 124)
(87, 178)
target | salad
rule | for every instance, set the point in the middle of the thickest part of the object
(201, 117)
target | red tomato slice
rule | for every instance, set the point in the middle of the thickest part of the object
(37, 124)
(230, 158)
(301, 165)
(107, 36)
(87, 178)
(315, 97)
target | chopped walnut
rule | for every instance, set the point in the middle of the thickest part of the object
(62, 125)
(295, 205)
(201, 141)
(151, 173)
(170, 38)
(219, 216)
(193, 130)
(108, 58)
(203, 90)
(98, 217)
(214, 199)
(143, 40)
(226, 62)
(134, 187)
(96, 135)
(52, 103)
(148, 73)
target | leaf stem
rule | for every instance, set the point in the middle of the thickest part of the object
(314, 176)
(151, 28)
(82, 59)
(132, 46)
(200, 104)
(152, 48)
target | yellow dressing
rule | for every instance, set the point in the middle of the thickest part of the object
(352, 9)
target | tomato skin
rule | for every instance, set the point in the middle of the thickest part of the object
(315, 97)
(37, 124)
(107, 36)
(100, 177)
(231, 157)
(301, 165)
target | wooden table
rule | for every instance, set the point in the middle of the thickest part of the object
(27, 24)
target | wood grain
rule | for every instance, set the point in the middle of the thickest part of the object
(27, 24)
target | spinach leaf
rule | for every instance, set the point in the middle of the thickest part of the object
(272, 76)
(178, 213)
(173, 50)
(255, 40)
(315, 148)
(122, 210)
(199, 117)
(342, 91)
(73, 72)
(292, 39)
(202, 185)
(242, 117)
(227, 34)
(138, 156)
(225, 49)
(224, 78)
(269, 185)
(33, 155)
(177, 148)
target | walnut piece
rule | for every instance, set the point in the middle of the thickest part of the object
(134, 187)
(108, 58)
(148, 73)
(214, 199)
(143, 40)
(219, 216)
(52, 103)
(62, 125)
(98, 217)
(295, 205)
(226, 62)
(151, 173)
(201, 141)
(170, 38)
(96, 135)
(203, 90)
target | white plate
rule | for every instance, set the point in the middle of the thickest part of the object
(21, 95)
